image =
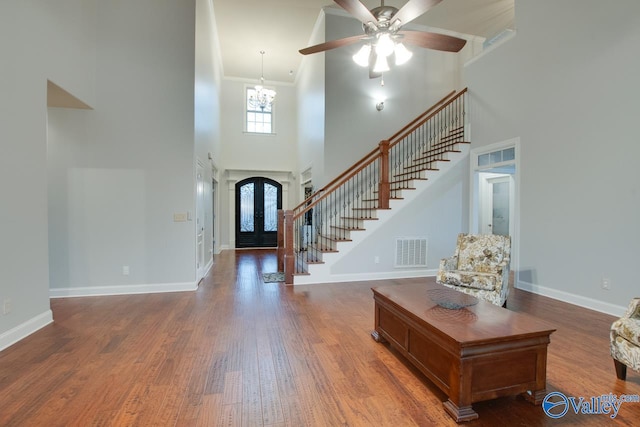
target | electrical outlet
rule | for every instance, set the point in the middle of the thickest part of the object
(125, 270)
(7, 306)
(376, 259)
(606, 284)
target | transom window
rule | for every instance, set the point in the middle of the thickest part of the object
(258, 120)
(499, 156)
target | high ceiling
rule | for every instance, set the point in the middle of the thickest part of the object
(282, 27)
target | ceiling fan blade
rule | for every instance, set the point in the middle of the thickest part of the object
(413, 9)
(433, 40)
(331, 44)
(358, 10)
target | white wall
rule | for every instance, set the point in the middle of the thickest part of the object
(567, 86)
(208, 79)
(126, 167)
(254, 153)
(438, 215)
(353, 126)
(242, 150)
(38, 40)
(310, 84)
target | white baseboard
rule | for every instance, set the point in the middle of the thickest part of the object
(14, 335)
(590, 303)
(122, 290)
(360, 277)
(208, 268)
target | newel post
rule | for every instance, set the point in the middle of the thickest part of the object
(289, 257)
(280, 240)
(384, 188)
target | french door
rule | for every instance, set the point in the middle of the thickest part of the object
(257, 202)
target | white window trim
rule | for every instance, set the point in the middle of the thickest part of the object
(246, 108)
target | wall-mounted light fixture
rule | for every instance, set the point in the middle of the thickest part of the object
(380, 106)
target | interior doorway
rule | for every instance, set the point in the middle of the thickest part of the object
(494, 196)
(496, 203)
(257, 202)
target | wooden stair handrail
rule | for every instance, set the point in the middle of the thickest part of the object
(399, 136)
(448, 125)
(346, 177)
(415, 123)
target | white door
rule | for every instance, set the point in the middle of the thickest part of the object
(200, 251)
(496, 200)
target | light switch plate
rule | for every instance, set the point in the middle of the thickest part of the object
(179, 217)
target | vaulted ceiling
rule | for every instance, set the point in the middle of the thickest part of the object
(282, 27)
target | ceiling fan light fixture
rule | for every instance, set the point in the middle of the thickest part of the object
(403, 55)
(385, 45)
(362, 56)
(381, 65)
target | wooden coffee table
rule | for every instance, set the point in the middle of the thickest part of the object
(472, 354)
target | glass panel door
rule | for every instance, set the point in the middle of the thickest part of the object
(257, 203)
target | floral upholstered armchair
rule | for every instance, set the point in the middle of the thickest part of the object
(625, 340)
(479, 267)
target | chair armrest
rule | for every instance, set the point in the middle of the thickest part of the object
(448, 264)
(633, 311)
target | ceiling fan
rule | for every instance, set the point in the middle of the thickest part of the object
(383, 32)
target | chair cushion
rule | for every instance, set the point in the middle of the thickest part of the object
(629, 329)
(482, 281)
(481, 253)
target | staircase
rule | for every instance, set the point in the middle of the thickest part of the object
(337, 217)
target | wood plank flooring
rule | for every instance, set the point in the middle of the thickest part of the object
(241, 352)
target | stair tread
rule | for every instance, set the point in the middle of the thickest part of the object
(414, 169)
(417, 170)
(358, 218)
(400, 175)
(323, 249)
(334, 238)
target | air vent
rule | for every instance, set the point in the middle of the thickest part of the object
(411, 252)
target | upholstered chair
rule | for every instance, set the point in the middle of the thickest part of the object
(625, 340)
(479, 267)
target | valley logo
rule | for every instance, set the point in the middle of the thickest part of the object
(556, 404)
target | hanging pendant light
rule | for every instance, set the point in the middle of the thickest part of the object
(263, 98)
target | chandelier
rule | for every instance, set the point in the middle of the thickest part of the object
(262, 98)
(378, 52)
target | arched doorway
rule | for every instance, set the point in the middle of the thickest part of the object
(257, 202)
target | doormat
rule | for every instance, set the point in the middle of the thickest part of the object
(273, 277)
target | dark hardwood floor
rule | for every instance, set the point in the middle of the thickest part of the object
(241, 352)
